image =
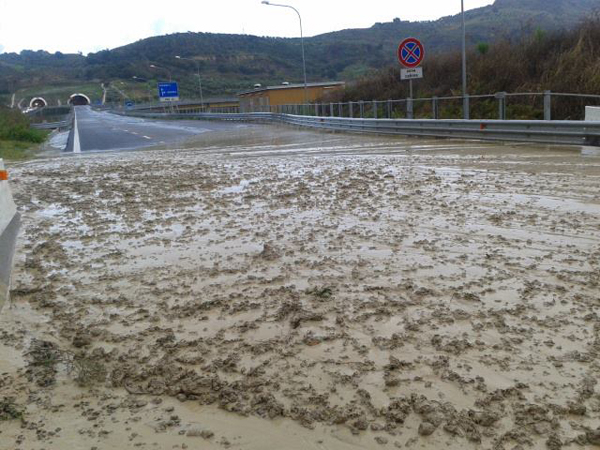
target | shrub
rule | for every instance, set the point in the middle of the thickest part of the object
(14, 126)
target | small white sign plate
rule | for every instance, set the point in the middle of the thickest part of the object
(411, 74)
(169, 99)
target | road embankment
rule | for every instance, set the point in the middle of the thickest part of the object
(9, 227)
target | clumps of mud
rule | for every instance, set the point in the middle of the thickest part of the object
(435, 302)
(45, 359)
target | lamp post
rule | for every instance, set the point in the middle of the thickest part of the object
(265, 2)
(144, 80)
(464, 63)
(199, 80)
(154, 66)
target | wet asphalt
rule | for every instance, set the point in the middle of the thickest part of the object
(100, 130)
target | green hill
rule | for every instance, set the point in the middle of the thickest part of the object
(230, 63)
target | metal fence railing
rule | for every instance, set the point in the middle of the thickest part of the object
(501, 106)
(540, 131)
(51, 117)
(545, 105)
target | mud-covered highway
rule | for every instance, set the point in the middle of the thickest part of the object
(260, 286)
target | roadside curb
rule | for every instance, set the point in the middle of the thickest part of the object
(8, 241)
(10, 221)
(73, 144)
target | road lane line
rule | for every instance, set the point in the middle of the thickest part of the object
(147, 137)
(76, 143)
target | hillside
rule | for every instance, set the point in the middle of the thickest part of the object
(230, 63)
(562, 61)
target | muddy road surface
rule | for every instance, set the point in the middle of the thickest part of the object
(275, 288)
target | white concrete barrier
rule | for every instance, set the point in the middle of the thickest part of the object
(9, 229)
(592, 113)
(7, 205)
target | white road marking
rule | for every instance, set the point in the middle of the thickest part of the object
(147, 137)
(76, 143)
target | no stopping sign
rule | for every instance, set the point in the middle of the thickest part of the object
(410, 53)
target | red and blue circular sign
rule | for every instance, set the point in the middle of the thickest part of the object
(410, 53)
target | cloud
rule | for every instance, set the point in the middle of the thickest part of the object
(158, 27)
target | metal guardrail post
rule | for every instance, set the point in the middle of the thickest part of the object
(501, 96)
(340, 110)
(374, 109)
(317, 109)
(331, 112)
(362, 109)
(350, 108)
(389, 109)
(435, 108)
(466, 107)
(409, 108)
(547, 105)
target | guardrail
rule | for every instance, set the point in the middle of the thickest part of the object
(53, 125)
(539, 131)
(545, 105)
(51, 117)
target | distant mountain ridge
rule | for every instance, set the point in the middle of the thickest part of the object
(230, 63)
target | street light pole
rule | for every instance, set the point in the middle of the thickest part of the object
(464, 63)
(144, 80)
(154, 66)
(265, 2)
(199, 80)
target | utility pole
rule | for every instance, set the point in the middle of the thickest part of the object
(265, 2)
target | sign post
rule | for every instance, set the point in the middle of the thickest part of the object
(410, 55)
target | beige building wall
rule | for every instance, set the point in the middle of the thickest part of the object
(269, 98)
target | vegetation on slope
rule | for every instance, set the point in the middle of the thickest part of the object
(16, 137)
(560, 61)
(231, 63)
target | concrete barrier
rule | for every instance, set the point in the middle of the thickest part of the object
(9, 229)
(592, 113)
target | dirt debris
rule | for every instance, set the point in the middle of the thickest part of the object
(437, 298)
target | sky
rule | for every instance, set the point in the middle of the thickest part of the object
(72, 26)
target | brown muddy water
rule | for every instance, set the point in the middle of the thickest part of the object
(270, 288)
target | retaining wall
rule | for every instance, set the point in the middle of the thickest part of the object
(592, 113)
(9, 228)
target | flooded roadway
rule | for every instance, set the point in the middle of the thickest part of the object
(267, 287)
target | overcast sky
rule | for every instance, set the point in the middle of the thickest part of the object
(70, 26)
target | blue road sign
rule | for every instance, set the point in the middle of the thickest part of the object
(168, 91)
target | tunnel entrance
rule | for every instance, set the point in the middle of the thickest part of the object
(79, 100)
(38, 102)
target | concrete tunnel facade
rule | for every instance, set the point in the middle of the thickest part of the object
(79, 100)
(38, 102)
